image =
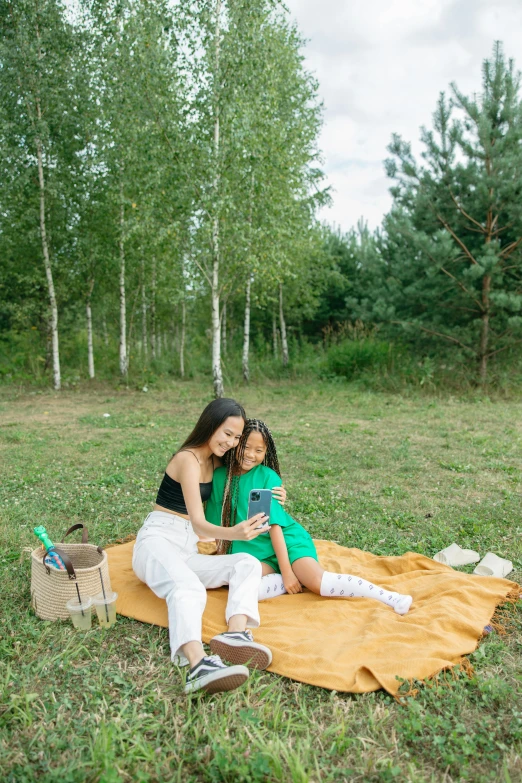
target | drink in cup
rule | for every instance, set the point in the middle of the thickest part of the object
(80, 612)
(106, 608)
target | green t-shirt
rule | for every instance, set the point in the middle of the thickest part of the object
(259, 477)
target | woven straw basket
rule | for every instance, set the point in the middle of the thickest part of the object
(51, 589)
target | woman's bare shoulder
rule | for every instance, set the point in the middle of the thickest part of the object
(182, 460)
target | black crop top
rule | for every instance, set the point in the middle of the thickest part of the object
(170, 493)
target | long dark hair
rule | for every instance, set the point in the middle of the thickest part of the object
(233, 459)
(211, 419)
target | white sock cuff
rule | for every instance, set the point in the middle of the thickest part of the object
(331, 584)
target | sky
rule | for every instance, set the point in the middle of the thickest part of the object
(381, 65)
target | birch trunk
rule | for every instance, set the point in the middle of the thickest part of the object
(57, 380)
(124, 365)
(274, 335)
(153, 310)
(216, 320)
(246, 333)
(144, 312)
(90, 350)
(55, 348)
(284, 343)
(224, 329)
(216, 335)
(48, 345)
(246, 326)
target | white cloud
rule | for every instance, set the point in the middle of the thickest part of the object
(381, 65)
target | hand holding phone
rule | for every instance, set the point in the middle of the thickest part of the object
(249, 528)
(259, 501)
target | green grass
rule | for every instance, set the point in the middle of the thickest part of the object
(380, 472)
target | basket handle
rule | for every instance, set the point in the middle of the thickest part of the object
(78, 526)
(66, 561)
(85, 535)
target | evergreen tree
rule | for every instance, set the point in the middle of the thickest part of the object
(452, 259)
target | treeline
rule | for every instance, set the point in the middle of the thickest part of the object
(444, 272)
(152, 153)
(160, 180)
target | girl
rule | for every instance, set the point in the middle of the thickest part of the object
(166, 557)
(287, 553)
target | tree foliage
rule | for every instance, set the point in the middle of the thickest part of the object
(179, 159)
(446, 266)
(159, 185)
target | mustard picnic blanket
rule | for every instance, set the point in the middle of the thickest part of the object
(354, 645)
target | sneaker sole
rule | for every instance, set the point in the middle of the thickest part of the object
(226, 682)
(251, 655)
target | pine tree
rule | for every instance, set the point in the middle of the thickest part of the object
(456, 230)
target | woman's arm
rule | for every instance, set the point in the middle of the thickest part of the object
(290, 581)
(280, 494)
(189, 475)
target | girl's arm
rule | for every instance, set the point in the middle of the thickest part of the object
(189, 475)
(290, 581)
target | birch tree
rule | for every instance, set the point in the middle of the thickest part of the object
(282, 141)
(194, 142)
(215, 290)
(38, 115)
(120, 107)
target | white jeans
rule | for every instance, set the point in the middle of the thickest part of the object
(166, 558)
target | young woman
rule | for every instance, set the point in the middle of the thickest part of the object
(166, 557)
(287, 552)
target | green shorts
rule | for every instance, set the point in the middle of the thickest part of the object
(302, 549)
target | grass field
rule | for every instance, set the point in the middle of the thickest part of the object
(363, 469)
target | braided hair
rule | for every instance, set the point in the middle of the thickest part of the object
(233, 460)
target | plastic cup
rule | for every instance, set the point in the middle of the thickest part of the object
(106, 608)
(80, 613)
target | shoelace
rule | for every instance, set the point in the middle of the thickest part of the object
(214, 659)
(247, 633)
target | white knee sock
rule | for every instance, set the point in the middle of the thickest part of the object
(271, 586)
(347, 586)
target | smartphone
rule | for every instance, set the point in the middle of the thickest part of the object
(259, 502)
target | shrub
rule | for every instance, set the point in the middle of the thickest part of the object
(350, 358)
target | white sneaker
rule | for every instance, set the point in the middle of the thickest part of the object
(212, 675)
